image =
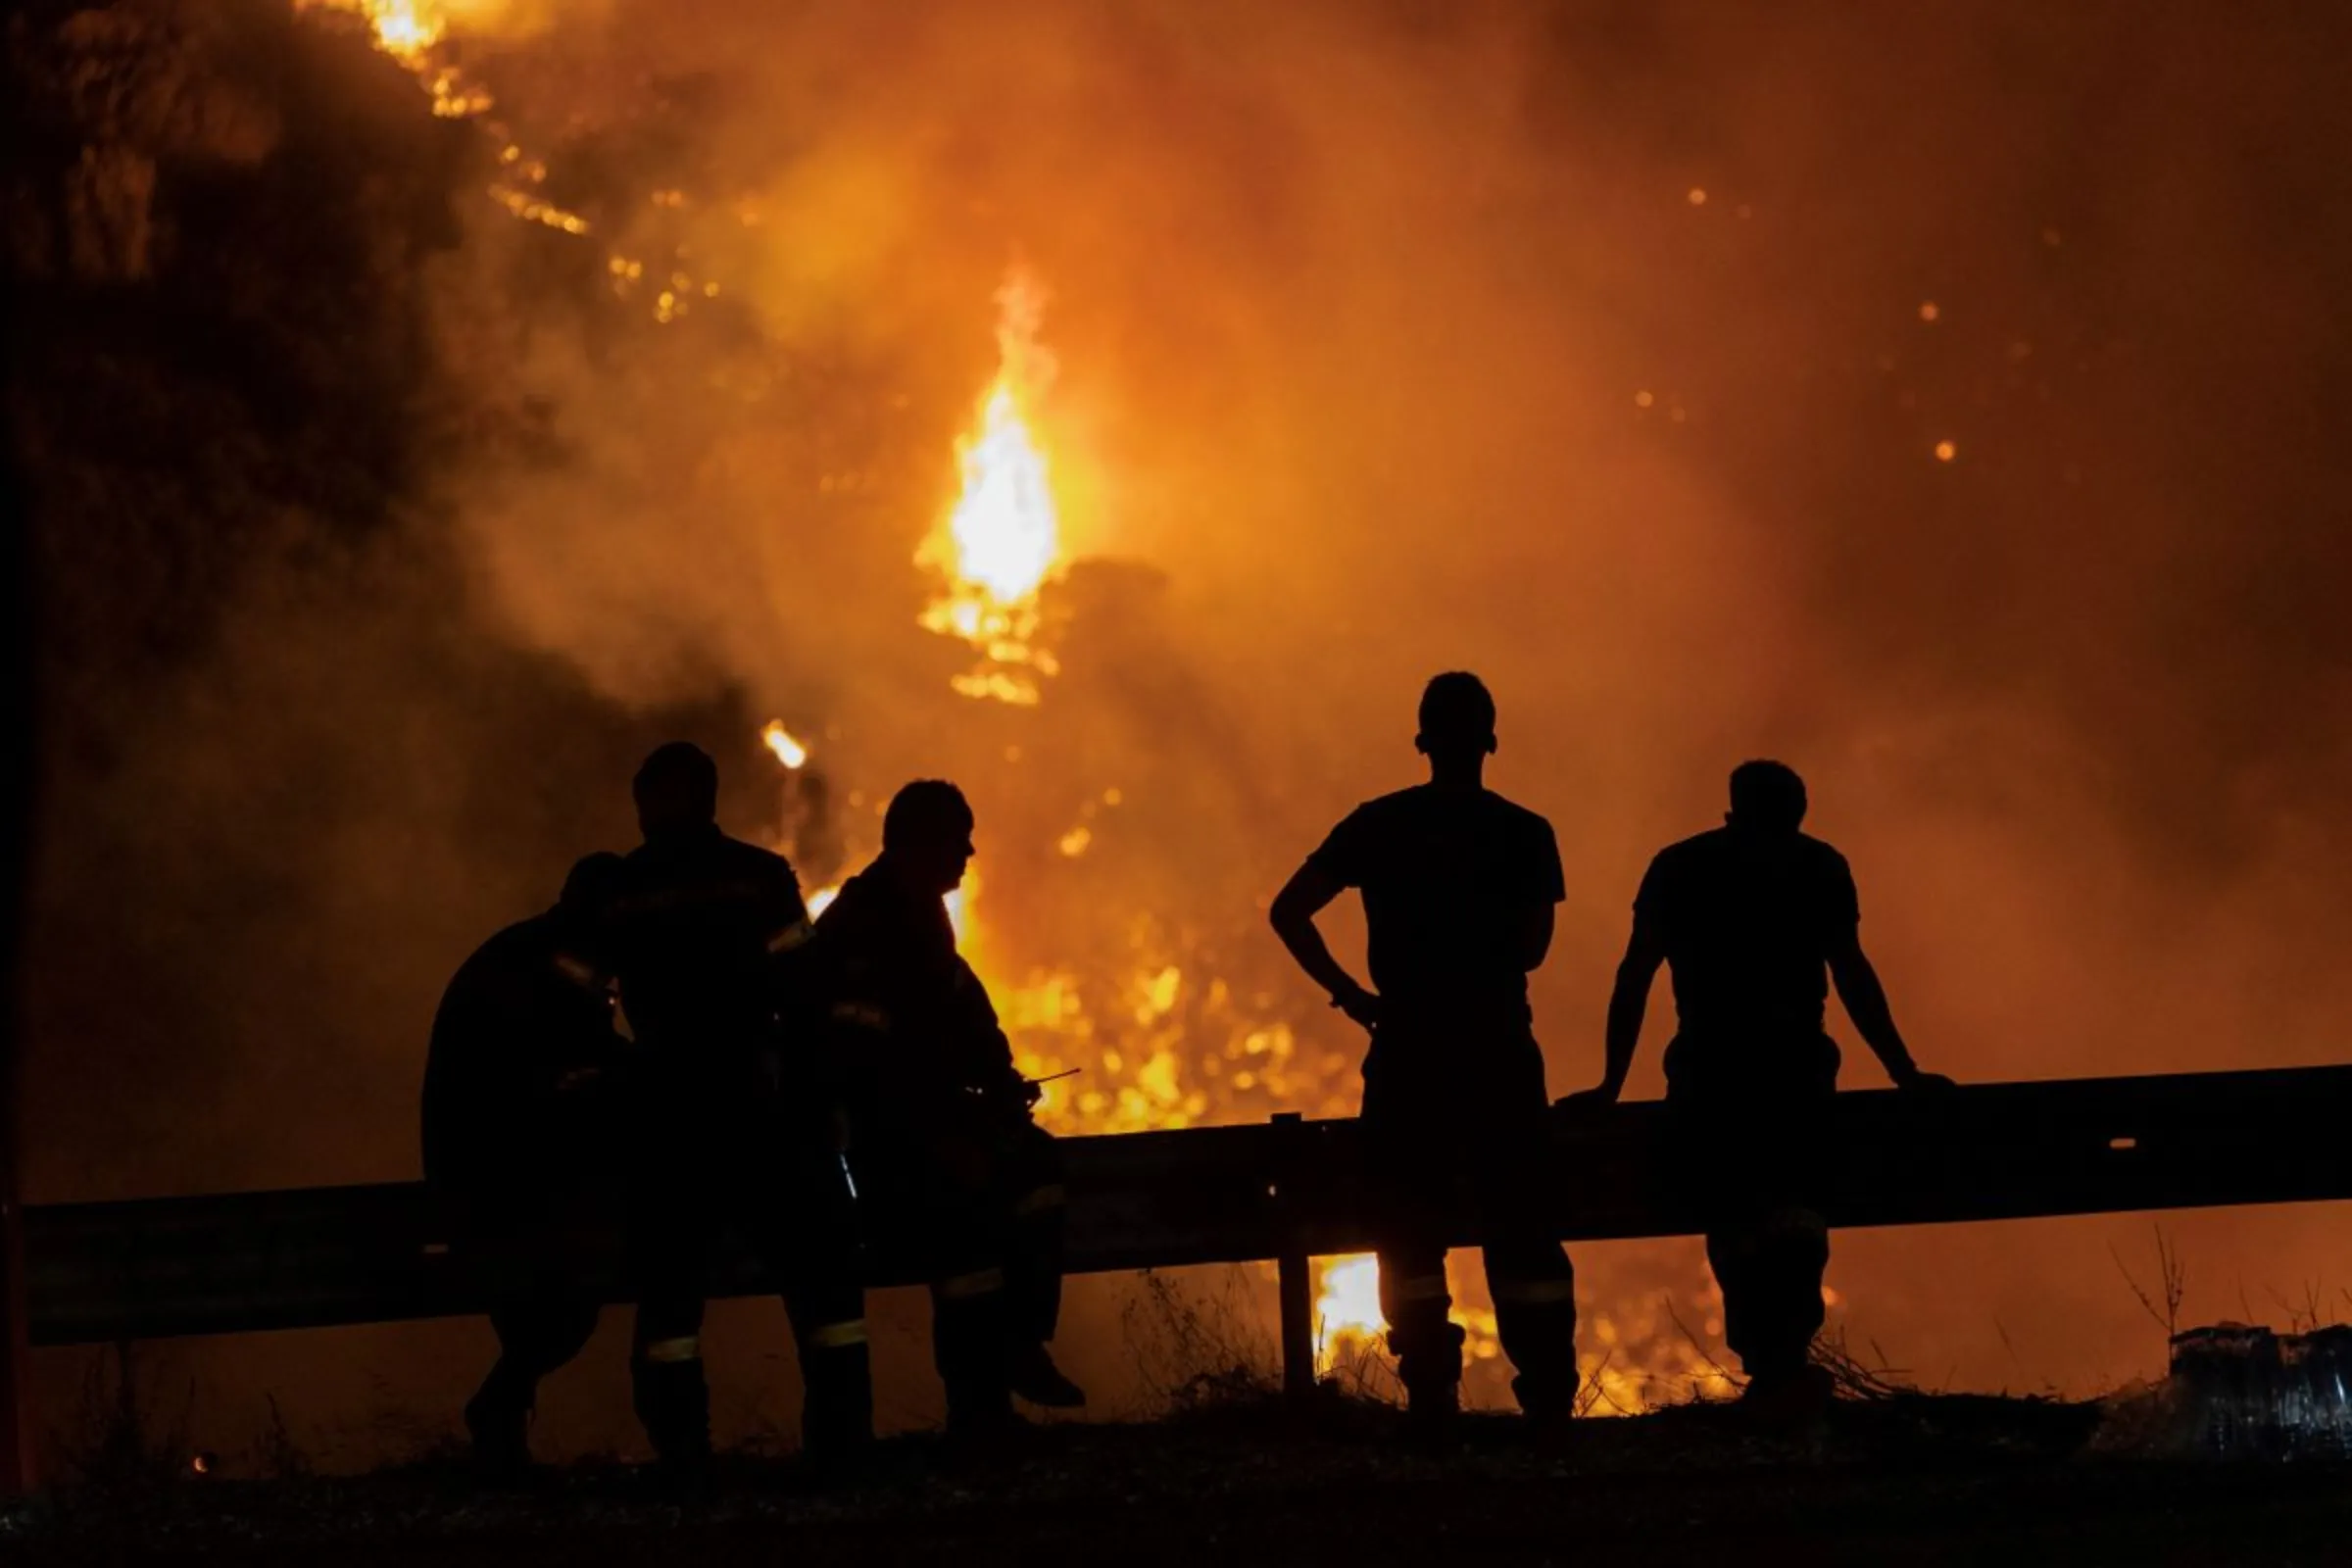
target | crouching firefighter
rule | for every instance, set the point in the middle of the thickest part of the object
(731, 1130)
(1458, 888)
(950, 1167)
(516, 1123)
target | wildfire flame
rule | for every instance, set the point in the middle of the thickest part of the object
(411, 32)
(1002, 540)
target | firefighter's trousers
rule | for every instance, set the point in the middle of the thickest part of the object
(975, 1194)
(1456, 1136)
(536, 1256)
(1749, 1122)
(780, 1187)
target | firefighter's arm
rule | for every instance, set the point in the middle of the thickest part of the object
(1629, 1005)
(985, 1050)
(1865, 999)
(1310, 891)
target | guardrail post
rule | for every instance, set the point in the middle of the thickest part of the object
(17, 802)
(1293, 1286)
(16, 1394)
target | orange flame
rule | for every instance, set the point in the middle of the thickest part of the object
(1002, 540)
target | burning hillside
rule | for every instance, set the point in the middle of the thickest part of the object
(438, 402)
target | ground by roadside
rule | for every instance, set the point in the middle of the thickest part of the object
(1910, 1480)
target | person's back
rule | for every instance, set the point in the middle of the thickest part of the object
(1750, 921)
(519, 1015)
(1448, 877)
(699, 919)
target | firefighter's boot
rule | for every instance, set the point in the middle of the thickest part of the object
(970, 1341)
(498, 1421)
(1035, 1379)
(837, 1411)
(673, 1403)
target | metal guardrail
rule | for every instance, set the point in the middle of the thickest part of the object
(317, 1256)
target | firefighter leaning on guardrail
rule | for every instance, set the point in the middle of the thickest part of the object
(731, 1128)
(1755, 918)
(948, 1163)
(1458, 887)
(517, 1130)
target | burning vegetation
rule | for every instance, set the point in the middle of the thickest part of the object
(527, 382)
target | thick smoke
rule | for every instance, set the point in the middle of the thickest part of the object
(1607, 350)
(1615, 351)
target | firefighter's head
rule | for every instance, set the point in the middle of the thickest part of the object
(676, 790)
(1767, 798)
(584, 916)
(927, 833)
(1458, 719)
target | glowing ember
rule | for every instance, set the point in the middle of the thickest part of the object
(1002, 539)
(779, 740)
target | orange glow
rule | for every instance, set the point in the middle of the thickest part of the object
(1348, 1315)
(403, 28)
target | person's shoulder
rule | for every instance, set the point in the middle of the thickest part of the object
(753, 860)
(1822, 860)
(1517, 817)
(1696, 850)
(493, 967)
(1377, 815)
(853, 905)
(523, 938)
(1821, 853)
(1395, 803)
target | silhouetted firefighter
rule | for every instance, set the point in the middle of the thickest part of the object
(948, 1160)
(1458, 887)
(1755, 918)
(518, 1140)
(732, 1127)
